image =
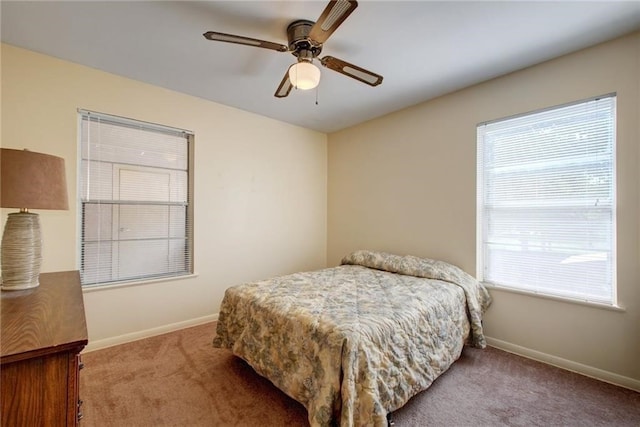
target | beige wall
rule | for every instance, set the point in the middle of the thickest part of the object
(406, 183)
(260, 187)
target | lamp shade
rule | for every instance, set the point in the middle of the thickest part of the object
(32, 180)
(304, 75)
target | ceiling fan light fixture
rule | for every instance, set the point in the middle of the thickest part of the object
(304, 75)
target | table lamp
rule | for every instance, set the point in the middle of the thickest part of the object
(28, 180)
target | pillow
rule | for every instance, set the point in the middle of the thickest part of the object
(408, 265)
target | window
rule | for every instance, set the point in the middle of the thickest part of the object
(135, 204)
(546, 201)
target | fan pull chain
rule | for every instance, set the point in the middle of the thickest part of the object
(317, 90)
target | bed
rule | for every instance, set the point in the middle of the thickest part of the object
(354, 343)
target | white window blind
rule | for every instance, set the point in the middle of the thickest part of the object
(546, 201)
(134, 200)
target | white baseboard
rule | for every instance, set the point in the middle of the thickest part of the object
(569, 365)
(133, 336)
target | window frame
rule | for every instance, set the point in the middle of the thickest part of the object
(188, 223)
(482, 224)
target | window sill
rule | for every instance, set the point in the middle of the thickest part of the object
(94, 288)
(616, 308)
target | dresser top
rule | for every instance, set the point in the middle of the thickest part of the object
(43, 320)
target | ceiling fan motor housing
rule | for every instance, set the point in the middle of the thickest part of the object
(300, 44)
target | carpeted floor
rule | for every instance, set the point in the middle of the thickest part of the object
(179, 379)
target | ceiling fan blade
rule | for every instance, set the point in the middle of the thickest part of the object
(332, 16)
(350, 70)
(285, 86)
(230, 38)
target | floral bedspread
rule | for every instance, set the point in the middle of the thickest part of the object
(355, 342)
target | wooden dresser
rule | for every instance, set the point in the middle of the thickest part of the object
(42, 333)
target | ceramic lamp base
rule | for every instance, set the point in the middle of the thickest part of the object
(21, 251)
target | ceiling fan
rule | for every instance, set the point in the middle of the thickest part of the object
(306, 39)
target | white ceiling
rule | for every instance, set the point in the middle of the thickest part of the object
(423, 49)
